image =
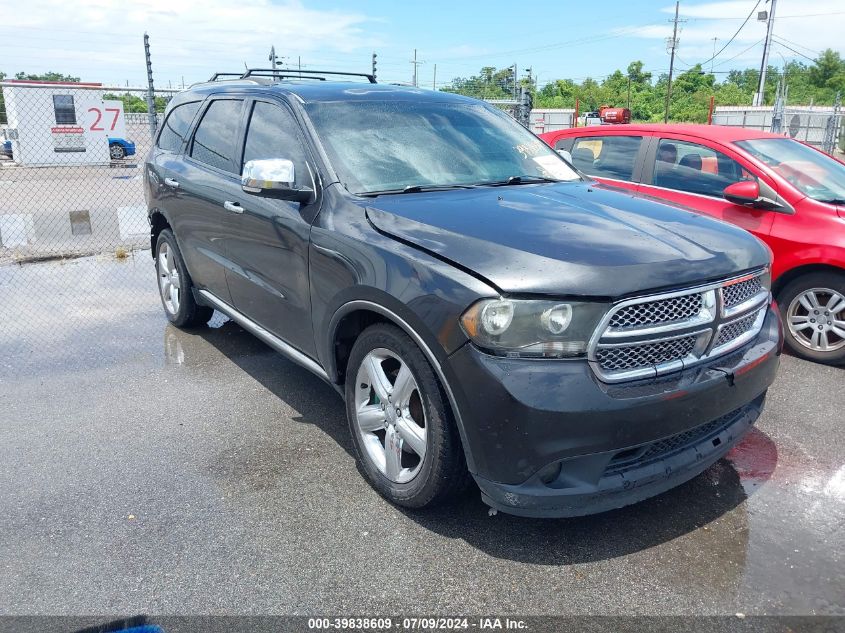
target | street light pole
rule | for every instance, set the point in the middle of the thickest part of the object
(760, 96)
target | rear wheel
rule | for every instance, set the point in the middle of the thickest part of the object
(175, 286)
(116, 152)
(404, 435)
(813, 312)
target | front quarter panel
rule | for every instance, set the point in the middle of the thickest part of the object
(815, 235)
(351, 261)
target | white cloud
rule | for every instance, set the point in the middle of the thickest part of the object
(101, 40)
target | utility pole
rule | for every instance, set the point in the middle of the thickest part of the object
(514, 82)
(434, 79)
(759, 97)
(712, 59)
(416, 66)
(374, 64)
(673, 45)
(151, 102)
(275, 60)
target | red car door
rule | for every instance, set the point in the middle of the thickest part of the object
(694, 172)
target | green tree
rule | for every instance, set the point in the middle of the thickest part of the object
(49, 76)
(828, 71)
(135, 103)
(636, 74)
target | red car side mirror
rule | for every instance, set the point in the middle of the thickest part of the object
(742, 192)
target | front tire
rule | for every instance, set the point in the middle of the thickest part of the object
(405, 439)
(116, 152)
(175, 286)
(813, 311)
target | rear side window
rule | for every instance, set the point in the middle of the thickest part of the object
(607, 156)
(695, 168)
(216, 137)
(176, 126)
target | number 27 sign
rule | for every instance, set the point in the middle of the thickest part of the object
(107, 118)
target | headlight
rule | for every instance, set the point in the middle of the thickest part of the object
(532, 329)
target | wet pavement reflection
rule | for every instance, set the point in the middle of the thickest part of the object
(236, 469)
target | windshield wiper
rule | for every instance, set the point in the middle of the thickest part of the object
(516, 180)
(413, 189)
(834, 201)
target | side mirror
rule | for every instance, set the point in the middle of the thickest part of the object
(567, 156)
(274, 178)
(742, 192)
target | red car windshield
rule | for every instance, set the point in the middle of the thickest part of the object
(814, 174)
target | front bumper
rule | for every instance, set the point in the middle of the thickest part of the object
(547, 438)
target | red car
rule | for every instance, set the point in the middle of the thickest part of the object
(786, 193)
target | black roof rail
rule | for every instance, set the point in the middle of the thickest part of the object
(216, 75)
(290, 73)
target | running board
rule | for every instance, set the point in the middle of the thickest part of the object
(271, 339)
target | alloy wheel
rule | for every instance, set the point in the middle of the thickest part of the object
(389, 415)
(168, 278)
(816, 319)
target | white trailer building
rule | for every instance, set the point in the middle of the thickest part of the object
(60, 123)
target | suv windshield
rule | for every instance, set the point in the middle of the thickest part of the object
(387, 146)
(814, 174)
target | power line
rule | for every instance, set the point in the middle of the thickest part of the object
(806, 48)
(778, 42)
(780, 17)
(742, 52)
(733, 37)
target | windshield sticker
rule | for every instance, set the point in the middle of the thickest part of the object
(531, 149)
(553, 167)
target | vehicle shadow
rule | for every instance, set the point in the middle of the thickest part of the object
(315, 400)
(678, 512)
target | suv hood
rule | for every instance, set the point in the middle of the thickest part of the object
(581, 239)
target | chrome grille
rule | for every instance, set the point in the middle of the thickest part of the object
(737, 293)
(735, 329)
(623, 358)
(654, 312)
(655, 335)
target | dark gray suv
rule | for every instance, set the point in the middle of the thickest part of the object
(487, 312)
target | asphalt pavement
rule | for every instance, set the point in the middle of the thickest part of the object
(144, 469)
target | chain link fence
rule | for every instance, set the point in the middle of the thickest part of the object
(70, 187)
(819, 126)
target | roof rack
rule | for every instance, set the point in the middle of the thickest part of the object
(289, 73)
(215, 76)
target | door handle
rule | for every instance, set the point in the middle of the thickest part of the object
(173, 184)
(234, 207)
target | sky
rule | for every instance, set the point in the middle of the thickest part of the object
(101, 40)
